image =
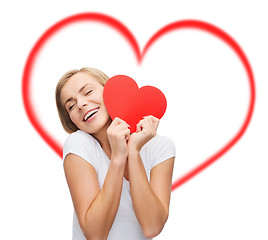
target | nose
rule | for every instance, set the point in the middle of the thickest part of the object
(81, 104)
(80, 107)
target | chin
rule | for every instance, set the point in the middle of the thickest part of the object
(98, 127)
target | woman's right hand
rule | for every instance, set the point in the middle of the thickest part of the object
(118, 135)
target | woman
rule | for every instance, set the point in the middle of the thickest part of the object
(120, 183)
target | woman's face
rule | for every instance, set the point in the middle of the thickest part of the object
(82, 97)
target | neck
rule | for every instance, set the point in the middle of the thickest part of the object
(103, 140)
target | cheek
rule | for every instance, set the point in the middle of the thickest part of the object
(73, 117)
(100, 95)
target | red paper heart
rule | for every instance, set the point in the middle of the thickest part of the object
(123, 30)
(124, 99)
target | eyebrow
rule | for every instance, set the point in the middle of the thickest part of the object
(80, 90)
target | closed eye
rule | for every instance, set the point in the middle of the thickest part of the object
(88, 92)
(71, 107)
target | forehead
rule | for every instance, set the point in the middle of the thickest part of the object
(74, 84)
(81, 78)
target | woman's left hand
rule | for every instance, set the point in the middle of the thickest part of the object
(146, 130)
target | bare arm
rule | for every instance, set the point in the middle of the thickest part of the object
(96, 208)
(150, 199)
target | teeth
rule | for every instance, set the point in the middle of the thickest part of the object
(90, 113)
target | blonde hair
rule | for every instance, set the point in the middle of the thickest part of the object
(66, 122)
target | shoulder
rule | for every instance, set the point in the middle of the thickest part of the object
(78, 136)
(81, 144)
(160, 141)
(159, 149)
(79, 139)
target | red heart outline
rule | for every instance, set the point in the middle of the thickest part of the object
(123, 30)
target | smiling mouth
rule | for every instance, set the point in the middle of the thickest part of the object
(90, 113)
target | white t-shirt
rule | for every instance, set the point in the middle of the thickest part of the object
(126, 225)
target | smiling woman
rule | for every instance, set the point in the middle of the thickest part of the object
(120, 183)
(98, 76)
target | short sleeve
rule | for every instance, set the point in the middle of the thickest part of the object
(81, 144)
(162, 148)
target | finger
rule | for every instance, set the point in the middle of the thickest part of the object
(117, 121)
(125, 134)
(121, 126)
(139, 126)
(124, 122)
(154, 120)
(122, 134)
(148, 122)
(148, 125)
(138, 129)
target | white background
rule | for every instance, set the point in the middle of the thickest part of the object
(207, 92)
